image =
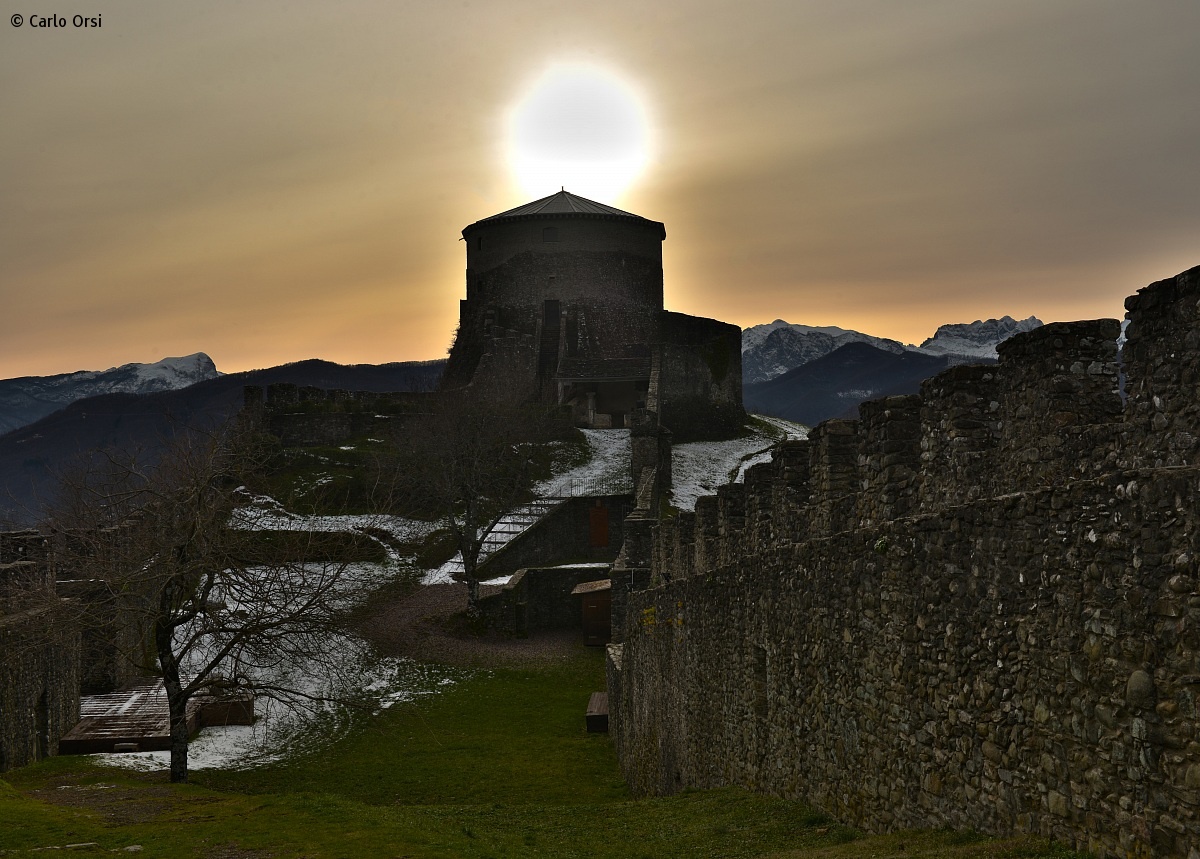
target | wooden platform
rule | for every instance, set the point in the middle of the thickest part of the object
(138, 720)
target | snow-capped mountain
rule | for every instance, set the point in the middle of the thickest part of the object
(976, 339)
(834, 385)
(772, 349)
(30, 398)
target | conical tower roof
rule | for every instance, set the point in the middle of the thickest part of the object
(566, 203)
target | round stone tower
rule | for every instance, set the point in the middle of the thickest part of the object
(571, 291)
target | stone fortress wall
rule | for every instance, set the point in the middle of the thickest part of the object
(696, 379)
(39, 653)
(977, 607)
(306, 416)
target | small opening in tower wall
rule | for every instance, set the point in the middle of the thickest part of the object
(549, 234)
(479, 243)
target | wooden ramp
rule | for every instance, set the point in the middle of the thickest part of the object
(138, 720)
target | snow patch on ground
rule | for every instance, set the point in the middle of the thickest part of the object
(608, 465)
(699, 467)
(336, 689)
(365, 684)
(287, 726)
(263, 513)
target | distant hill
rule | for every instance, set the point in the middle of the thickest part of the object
(32, 456)
(833, 386)
(29, 398)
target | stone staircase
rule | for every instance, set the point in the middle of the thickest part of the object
(510, 526)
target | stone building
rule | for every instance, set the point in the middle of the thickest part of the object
(564, 305)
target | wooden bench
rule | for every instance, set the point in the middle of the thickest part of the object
(597, 713)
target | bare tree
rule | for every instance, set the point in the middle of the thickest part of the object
(213, 602)
(470, 459)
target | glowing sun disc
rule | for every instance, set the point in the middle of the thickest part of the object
(581, 128)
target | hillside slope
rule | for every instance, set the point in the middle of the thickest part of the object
(33, 456)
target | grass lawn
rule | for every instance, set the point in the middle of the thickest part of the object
(498, 765)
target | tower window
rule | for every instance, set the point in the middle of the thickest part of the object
(479, 243)
(550, 234)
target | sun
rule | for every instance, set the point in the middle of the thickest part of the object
(580, 127)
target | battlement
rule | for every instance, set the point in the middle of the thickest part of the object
(1162, 368)
(26, 571)
(981, 603)
(1048, 413)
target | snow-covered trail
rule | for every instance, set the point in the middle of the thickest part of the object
(606, 471)
(699, 467)
(608, 465)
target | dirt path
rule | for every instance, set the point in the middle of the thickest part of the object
(428, 624)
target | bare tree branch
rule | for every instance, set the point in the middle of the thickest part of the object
(215, 603)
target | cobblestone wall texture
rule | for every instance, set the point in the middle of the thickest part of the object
(975, 608)
(39, 654)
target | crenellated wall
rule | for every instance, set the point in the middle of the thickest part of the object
(1162, 366)
(976, 607)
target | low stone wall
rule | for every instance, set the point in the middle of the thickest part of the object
(39, 684)
(306, 416)
(540, 599)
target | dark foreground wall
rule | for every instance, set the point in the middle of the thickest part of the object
(39, 653)
(977, 608)
(1016, 665)
(39, 683)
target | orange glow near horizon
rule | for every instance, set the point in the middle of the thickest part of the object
(268, 188)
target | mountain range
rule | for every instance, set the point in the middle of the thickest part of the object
(774, 348)
(809, 374)
(803, 373)
(33, 456)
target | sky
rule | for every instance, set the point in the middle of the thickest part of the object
(274, 181)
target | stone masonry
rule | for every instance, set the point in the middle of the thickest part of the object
(977, 607)
(39, 668)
